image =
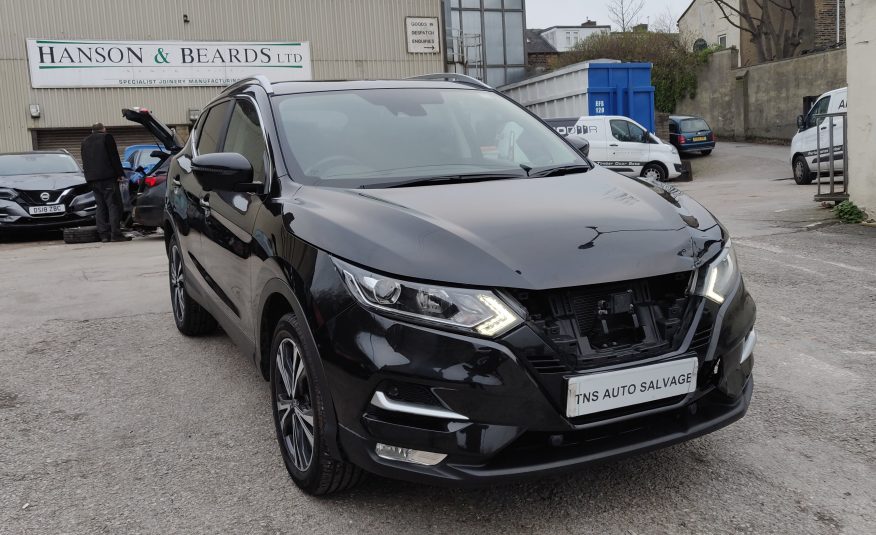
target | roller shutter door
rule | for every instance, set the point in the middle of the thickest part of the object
(71, 138)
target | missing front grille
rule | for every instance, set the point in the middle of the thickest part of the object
(607, 322)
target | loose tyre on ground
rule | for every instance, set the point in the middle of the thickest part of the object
(81, 235)
(299, 415)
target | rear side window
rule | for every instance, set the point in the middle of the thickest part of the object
(209, 132)
(673, 129)
(245, 137)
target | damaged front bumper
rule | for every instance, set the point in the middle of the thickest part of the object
(482, 412)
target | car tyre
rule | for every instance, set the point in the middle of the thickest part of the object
(81, 235)
(706, 152)
(298, 397)
(190, 317)
(655, 171)
(802, 174)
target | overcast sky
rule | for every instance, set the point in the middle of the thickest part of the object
(546, 13)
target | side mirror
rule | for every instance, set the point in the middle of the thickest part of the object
(224, 171)
(801, 122)
(126, 166)
(580, 143)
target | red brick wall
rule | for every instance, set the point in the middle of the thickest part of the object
(825, 23)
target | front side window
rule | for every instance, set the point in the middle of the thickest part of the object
(245, 137)
(209, 133)
(628, 132)
(33, 164)
(361, 137)
(819, 108)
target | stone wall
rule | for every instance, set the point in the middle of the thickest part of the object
(761, 102)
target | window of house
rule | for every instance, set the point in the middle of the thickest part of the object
(722, 40)
(571, 38)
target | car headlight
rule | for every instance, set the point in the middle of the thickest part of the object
(673, 149)
(477, 311)
(7, 194)
(721, 275)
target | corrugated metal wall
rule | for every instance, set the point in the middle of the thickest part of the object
(349, 39)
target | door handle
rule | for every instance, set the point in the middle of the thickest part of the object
(613, 145)
(205, 204)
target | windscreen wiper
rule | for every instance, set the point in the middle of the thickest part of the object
(444, 179)
(560, 170)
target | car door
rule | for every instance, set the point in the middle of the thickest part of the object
(593, 129)
(186, 197)
(231, 215)
(837, 104)
(809, 136)
(628, 146)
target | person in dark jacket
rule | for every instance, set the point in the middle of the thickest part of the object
(103, 171)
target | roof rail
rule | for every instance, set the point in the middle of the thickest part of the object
(451, 77)
(258, 79)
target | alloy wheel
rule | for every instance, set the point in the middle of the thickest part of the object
(653, 174)
(177, 283)
(294, 405)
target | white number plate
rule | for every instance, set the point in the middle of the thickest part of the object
(48, 209)
(610, 390)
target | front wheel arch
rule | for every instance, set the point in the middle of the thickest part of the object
(276, 297)
(662, 169)
(807, 175)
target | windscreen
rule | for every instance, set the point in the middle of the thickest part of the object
(148, 161)
(34, 164)
(694, 125)
(361, 137)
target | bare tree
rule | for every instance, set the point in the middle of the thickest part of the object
(772, 25)
(666, 22)
(625, 13)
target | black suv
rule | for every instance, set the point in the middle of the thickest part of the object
(440, 288)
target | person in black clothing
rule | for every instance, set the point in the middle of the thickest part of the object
(103, 171)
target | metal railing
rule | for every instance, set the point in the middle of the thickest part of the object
(827, 122)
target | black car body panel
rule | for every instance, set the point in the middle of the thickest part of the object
(40, 190)
(533, 241)
(148, 205)
(450, 235)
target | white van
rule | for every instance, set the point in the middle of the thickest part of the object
(813, 132)
(623, 145)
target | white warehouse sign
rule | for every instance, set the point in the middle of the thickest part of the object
(88, 63)
(423, 35)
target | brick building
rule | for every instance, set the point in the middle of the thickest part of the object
(830, 30)
(539, 53)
